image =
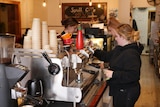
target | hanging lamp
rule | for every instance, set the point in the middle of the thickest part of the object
(44, 3)
(90, 2)
(60, 4)
(99, 4)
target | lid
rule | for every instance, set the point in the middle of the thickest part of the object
(7, 35)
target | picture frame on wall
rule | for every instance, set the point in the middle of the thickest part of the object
(84, 12)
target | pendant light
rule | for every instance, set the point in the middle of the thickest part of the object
(90, 2)
(60, 4)
(99, 4)
(44, 3)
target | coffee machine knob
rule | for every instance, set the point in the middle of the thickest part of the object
(53, 68)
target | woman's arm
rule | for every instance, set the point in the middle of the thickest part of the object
(103, 55)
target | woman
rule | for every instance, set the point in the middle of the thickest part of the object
(124, 66)
(70, 26)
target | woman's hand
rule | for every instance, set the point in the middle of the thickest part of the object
(108, 73)
(101, 65)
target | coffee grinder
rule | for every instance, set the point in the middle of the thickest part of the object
(10, 74)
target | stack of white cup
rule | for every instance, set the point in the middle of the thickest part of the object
(36, 34)
(53, 40)
(45, 37)
(38, 38)
(27, 44)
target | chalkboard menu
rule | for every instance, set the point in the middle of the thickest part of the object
(82, 11)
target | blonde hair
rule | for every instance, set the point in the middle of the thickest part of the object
(124, 30)
(136, 36)
(113, 22)
(127, 32)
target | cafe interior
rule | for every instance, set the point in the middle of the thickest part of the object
(37, 69)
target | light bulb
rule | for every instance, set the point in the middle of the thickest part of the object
(90, 3)
(59, 5)
(99, 5)
(44, 4)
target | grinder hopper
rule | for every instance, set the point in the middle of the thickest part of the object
(7, 44)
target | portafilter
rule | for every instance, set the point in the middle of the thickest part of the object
(53, 68)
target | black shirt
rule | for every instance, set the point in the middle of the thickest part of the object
(125, 61)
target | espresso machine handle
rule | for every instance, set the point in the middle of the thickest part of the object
(45, 55)
(53, 68)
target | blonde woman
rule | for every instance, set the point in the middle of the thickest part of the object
(124, 66)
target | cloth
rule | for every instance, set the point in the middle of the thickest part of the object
(134, 25)
(126, 63)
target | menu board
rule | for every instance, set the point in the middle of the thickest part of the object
(82, 11)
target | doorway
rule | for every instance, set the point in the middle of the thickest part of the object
(10, 19)
(141, 15)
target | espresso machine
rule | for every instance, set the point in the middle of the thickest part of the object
(69, 77)
(10, 74)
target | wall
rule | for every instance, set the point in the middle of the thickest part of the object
(54, 17)
(123, 6)
(140, 3)
(124, 13)
(55, 13)
(26, 13)
(40, 11)
(52, 14)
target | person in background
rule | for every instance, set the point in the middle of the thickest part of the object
(70, 27)
(123, 73)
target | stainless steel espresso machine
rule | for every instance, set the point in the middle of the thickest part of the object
(72, 80)
(10, 74)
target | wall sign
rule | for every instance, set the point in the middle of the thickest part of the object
(83, 12)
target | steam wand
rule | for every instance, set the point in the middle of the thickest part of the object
(68, 63)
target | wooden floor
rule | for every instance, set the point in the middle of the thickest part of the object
(150, 85)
